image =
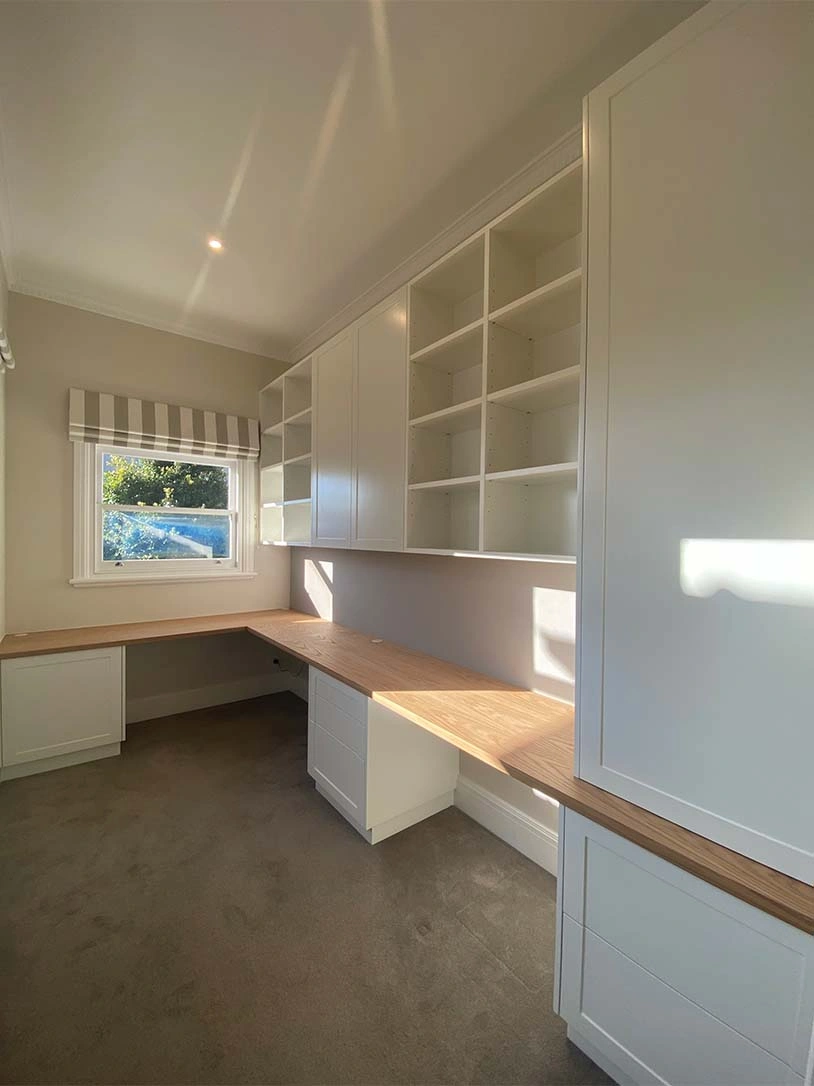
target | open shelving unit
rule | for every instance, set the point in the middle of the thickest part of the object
(285, 457)
(494, 341)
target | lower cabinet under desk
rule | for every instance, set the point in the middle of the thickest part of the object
(663, 978)
(378, 769)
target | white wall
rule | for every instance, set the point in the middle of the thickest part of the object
(512, 620)
(56, 347)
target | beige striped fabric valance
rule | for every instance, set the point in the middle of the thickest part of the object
(142, 424)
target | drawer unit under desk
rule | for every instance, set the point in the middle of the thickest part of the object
(380, 770)
(673, 980)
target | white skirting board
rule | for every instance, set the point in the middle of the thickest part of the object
(535, 840)
(202, 697)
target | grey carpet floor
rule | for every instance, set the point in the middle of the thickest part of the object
(193, 912)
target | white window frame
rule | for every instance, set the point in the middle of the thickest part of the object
(90, 569)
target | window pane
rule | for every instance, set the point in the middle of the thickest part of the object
(142, 480)
(155, 533)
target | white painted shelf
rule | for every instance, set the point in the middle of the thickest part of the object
(544, 311)
(468, 481)
(457, 351)
(539, 476)
(492, 440)
(452, 420)
(541, 393)
(285, 457)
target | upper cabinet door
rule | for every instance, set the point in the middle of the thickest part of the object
(697, 573)
(380, 399)
(332, 430)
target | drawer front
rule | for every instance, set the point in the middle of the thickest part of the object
(338, 771)
(650, 1031)
(337, 694)
(340, 724)
(745, 968)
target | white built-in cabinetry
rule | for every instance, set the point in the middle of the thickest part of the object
(665, 979)
(494, 384)
(379, 769)
(332, 448)
(472, 447)
(60, 709)
(285, 457)
(696, 614)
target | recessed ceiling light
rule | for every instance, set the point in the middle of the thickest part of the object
(215, 244)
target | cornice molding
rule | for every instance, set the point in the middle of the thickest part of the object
(550, 161)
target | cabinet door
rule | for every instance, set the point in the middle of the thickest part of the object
(380, 401)
(333, 385)
(60, 703)
(696, 610)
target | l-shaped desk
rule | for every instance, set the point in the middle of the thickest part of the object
(526, 735)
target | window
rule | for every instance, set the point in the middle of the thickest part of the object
(160, 516)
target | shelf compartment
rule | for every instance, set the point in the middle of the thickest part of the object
(271, 450)
(271, 484)
(297, 523)
(514, 358)
(464, 482)
(544, 311)
(448, 297)
(452, 420)
(296, 396)
(435, 454)
(525, 519)
(271, 524)
(297, 481)
(271, 406)
(444, 519)
(538, 241)
(433, 389)
(301, 459)
(530, 439)
(541, 393)
(298, 437)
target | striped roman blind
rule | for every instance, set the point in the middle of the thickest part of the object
(104, 419)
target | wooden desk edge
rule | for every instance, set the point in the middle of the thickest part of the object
(788, 900)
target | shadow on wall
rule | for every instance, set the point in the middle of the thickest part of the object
(514, 621)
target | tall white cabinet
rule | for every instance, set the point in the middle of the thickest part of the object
(696, 611)
(360, 407)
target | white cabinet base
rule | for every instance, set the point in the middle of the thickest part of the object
(599, 1057)
(60, 761)
(400, 822)
(381, 771)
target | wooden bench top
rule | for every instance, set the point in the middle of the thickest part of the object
(527, 735)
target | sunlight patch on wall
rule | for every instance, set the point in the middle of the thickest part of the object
(756, 570)
(319, 577)
(554, 621)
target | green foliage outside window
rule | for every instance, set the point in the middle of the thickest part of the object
(155, 485)
(132, 480)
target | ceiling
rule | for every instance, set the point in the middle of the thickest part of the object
(302, 134)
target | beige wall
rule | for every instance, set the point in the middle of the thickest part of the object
(57, 346)
(3, 379)
(512, 620)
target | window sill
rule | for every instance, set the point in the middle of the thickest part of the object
(104, 580)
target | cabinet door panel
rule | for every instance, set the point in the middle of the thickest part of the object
(333, 383)
(696, 608)
(380, 400)
(60, 703)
